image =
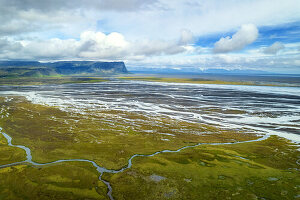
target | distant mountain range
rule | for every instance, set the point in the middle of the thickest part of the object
(197, 71)
(39, 69)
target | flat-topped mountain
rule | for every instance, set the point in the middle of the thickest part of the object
(35, 68)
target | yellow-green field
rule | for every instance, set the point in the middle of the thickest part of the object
(192, 80)
(61, 182)
(254, 170)
(258, 170)
(49, 80)
(108, 137)
(10, 154)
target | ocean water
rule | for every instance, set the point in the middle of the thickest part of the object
(268, 110)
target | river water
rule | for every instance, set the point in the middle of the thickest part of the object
(100, 169)
(271, 110)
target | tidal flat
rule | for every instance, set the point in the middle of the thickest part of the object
(218, 141)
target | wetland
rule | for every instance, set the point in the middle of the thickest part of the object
(132, 139)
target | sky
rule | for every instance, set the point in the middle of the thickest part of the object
(178, 34)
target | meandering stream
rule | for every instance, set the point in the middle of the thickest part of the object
(100, 169)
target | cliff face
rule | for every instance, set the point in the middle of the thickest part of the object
(80, 67)
(33, 68)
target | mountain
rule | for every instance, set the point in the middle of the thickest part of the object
(191, 70)
(37, 69)
(234, 71)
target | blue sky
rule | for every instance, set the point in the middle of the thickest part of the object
(285, 33)
(181, 34)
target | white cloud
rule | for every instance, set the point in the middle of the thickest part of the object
(274, 48)
(246, 35)
(99, 45)
(222, 61)
(186, 37)
(46, 6)
(6, 45)
(142, 31)
(32, 16)
(90, 45)
(204, 17)
(156, 47)
(151, 19)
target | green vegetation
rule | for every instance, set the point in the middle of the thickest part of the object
(17, 72)
(73, 180)
(49, 80)
(191, 80)
(256, 170)
(109, 137)
(10, 154)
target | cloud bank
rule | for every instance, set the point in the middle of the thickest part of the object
(90, 45)
(274, 48)
(158, 32)
(246, 35)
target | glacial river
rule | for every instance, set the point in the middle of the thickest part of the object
(271, 110)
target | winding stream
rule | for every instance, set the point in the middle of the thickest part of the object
(100, 169)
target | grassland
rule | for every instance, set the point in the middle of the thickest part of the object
(49, 80)
(61, 181)
(265, 169)
(10, 154)
(109, 137)
(257, 170)
(192, 80)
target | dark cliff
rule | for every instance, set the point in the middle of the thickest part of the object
(34, 68)
(89, 67)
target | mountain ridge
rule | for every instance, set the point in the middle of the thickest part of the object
(199, 71)
(69, 68)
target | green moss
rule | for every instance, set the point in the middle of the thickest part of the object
(213, 172)
(108, 137)
(44, 80)
(10, 154)
(60, 181)
(265, 169)
(189, 80)
(275, 152)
